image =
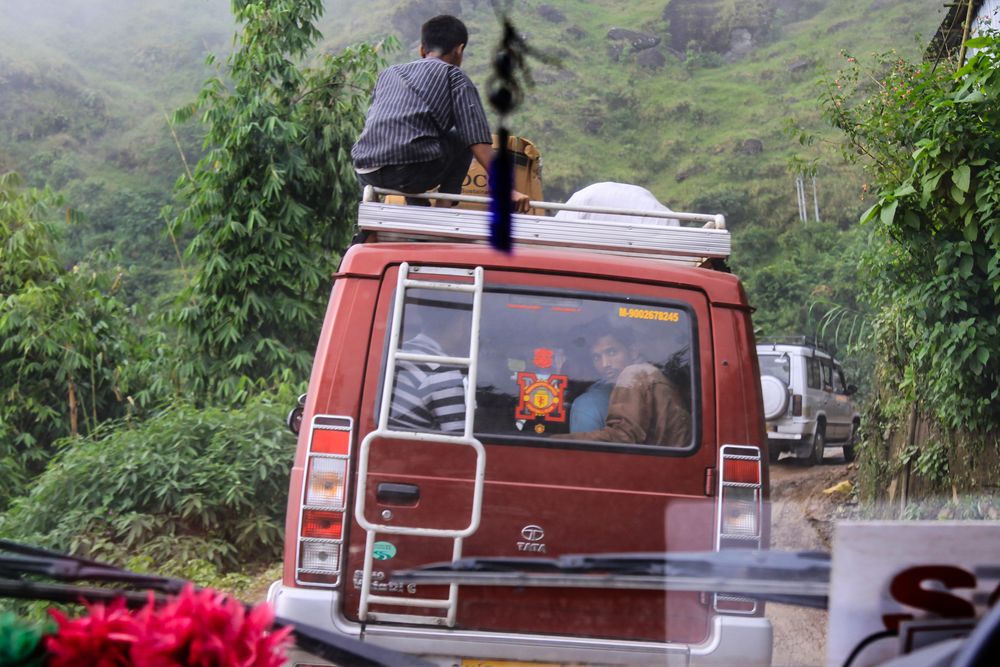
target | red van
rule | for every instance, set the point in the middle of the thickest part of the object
(596, 391)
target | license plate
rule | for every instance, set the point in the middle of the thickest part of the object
(476, 662)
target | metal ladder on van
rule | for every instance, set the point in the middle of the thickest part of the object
(395, 355)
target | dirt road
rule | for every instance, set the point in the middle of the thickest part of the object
(802, 517)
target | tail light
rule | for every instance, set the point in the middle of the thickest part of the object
(740, 511)
(324, 500)
(796, 405)
(739, 498)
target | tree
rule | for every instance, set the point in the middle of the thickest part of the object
(65, 339)
(272, 201)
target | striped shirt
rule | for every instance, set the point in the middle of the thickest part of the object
(427, 396)
(413, 106)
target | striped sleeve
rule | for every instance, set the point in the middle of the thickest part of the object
(445, 392)
(408, 409)
(427, 397)
(469, 116)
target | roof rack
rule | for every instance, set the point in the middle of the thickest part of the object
(805, 341)
(675, 243)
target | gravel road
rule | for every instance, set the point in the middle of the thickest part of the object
(802, 517)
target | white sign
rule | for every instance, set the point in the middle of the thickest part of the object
(927, 579)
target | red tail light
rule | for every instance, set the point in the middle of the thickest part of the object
(330, 442)
(796, 405)
(324, 499)
(741, 471)
(316, 523)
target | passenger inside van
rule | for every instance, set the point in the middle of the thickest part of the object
(428, 396)
(632, 401)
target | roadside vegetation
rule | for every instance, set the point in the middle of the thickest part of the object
(928, 136)
(157, 440)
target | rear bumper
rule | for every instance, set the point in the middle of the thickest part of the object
(790, 431)
(774, 435)
(733, 640)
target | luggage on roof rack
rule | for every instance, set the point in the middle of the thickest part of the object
(692, 245)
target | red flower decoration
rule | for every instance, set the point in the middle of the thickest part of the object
(102, 639)
(196, 629)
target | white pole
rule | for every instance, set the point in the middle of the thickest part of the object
(815, 199)
(800, 198)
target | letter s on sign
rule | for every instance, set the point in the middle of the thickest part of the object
(906, 588)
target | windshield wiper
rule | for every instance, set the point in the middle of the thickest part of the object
(790, 577)
(24, 568)
(18, 560)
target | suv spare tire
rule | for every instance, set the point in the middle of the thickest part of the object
(775, 396)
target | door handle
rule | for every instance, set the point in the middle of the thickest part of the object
(396, 493)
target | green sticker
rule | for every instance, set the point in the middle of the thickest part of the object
(384, 550)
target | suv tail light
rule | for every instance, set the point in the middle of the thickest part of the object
(324, 499)
(796, 405)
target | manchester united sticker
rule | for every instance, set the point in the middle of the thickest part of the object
(541, 397)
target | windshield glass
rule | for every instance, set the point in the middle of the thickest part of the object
(751, 296)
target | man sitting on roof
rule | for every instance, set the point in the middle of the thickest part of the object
(426, 121)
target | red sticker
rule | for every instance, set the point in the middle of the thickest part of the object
(541, 397)
(543, 357)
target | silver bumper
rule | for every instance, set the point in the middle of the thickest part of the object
(776, 435)
(733, 640)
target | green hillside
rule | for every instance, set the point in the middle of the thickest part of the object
(684, 117)
(698, 117)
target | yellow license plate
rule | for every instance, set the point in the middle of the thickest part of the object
(476, 662)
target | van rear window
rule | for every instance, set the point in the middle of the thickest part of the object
(576, 369)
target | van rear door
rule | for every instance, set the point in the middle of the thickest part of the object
(595, 406)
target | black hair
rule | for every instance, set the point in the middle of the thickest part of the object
(620, 331)
(595, 330)
(443, 33)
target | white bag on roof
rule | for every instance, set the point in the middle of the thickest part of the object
(609, 194)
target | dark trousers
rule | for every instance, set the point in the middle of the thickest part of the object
(447, 173)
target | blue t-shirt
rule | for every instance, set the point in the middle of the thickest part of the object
(589, 411)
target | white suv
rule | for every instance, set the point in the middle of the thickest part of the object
(807, 403)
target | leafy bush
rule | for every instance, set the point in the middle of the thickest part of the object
(186, 485)
(65, 339)
(934, 140)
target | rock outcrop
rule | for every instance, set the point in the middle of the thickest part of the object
(651, 59)
(551, 14)
(639, 41)
(751, 147)
(727, 27)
